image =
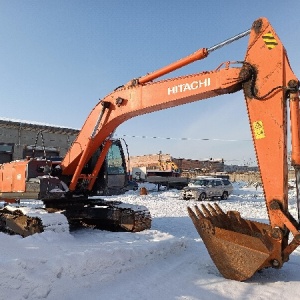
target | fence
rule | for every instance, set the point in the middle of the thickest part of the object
(253, 176)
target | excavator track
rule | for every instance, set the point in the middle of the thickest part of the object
(139, 217)
(16, 223)
(102, 214)
(64, 216)
(25, 221)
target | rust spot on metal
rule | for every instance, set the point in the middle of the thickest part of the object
(143, 191)
(248, 77)
(257, 25)
(277, 233)
(246, 73)
(274, 205)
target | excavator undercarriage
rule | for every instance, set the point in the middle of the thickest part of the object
(41, 179)
(61, 215)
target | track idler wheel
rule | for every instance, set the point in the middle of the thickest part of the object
(237, 246)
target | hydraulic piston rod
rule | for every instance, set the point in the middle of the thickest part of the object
(198, 55)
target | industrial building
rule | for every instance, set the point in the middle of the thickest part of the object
(164, 164)
(19, 139)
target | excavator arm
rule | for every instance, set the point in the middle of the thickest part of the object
(276, 90)
(238, 247)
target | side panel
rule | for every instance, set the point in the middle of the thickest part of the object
(13, 177)
(19, 177)
(15, 174)
(6, 178)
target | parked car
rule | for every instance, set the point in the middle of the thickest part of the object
(131, 185)
(207, 188)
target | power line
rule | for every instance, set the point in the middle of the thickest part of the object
(180, 138)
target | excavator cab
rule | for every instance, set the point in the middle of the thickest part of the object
(112, 177)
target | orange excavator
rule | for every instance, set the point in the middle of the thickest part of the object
(238, 247)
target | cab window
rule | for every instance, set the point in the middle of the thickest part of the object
(114, 160)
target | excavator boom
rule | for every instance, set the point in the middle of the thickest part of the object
(130, 101)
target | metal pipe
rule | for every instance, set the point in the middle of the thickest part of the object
(297, 179)
(228, 41)
(105, 105)
(198, 55)
(295, 138)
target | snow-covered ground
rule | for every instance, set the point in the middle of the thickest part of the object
(169, 261)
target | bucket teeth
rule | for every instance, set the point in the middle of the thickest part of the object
(237, 246)
(206, 211)
(198, 212)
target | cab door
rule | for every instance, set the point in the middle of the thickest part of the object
(210, 189)
(116, 169)
(218, 188)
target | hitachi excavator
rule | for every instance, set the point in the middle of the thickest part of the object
(238, 247)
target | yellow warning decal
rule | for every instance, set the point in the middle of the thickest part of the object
(258, 129)
(270, 40)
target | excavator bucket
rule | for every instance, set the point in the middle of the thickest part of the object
(238, 247)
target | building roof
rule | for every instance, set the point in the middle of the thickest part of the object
(29, 125)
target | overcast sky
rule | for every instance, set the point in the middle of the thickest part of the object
(58, 58)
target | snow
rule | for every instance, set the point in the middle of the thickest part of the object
(169, 261)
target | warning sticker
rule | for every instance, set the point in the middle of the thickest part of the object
(258, 129)
(270, 40)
